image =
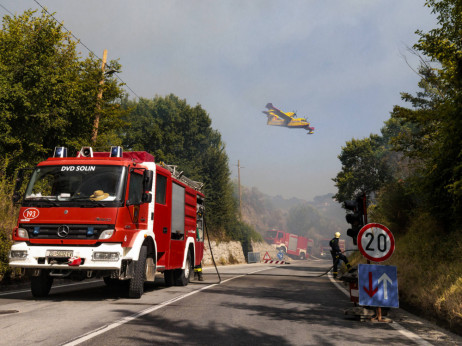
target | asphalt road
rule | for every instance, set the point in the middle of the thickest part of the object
(254, 304)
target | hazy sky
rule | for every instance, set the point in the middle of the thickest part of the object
(341, 63)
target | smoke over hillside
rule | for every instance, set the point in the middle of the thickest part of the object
(315, 219)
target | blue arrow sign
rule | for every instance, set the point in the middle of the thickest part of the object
(280, 255)
(378, 285)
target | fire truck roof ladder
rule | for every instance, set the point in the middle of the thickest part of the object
(179, 175)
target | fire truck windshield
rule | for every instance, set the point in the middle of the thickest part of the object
(83, 185)
(271, 234)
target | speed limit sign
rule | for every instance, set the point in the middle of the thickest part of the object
(376, 242)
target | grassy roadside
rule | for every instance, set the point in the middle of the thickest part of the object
(430, 271)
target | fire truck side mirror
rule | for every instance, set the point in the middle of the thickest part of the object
(148, 178)
(147, 197)
(19, 179)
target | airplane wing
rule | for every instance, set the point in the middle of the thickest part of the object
(278, 112)
(271, 113)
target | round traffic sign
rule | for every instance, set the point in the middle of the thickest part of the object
(376, 242)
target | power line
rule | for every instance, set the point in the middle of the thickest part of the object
(7, 10)
(80, 41)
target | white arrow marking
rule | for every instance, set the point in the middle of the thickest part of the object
(385, 278)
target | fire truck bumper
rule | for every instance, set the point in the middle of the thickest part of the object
(104, 257)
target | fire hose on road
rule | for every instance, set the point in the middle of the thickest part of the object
(211, 252)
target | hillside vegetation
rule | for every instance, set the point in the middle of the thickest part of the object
(317, 219)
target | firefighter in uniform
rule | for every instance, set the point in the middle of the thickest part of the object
(200, 238)
(198, 272)
(337, 254)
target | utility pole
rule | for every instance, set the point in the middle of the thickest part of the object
(98, 100)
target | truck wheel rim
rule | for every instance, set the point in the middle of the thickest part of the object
(187, 269)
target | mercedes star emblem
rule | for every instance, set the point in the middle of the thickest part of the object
(63, 231)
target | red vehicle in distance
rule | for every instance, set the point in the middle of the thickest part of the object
(295, 246)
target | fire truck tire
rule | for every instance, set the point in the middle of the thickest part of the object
(302, 256)
(41, 285)
(182, 276)
(168, 277)
(136, 286)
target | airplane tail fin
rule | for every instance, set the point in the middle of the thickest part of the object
(269, 106)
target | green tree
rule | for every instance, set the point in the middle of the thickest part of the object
(179, 134)
(364, 168)
(436, 139)
(47, 92)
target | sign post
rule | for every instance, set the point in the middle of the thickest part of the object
(267, 257)
(376, 242)
(378, 284)
(280, 255)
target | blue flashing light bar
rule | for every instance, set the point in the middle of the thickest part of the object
(60, 152)
(116, 152)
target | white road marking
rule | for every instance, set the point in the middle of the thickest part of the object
(127, 319)
(407, 333)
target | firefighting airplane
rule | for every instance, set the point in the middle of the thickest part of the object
(277, 117)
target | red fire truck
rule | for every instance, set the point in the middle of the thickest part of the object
(116, 215)
(291, 244)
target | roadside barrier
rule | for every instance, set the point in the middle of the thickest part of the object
(274, 262)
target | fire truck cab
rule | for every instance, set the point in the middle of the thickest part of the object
(116, 215)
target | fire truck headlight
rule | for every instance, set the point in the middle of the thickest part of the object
(22, 233)
(106, 234)
(18, 254)
(106, 256)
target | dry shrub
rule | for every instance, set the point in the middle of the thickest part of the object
(232, 259)
(430, 270)
(8, 219)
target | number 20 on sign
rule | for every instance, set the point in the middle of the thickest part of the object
(376, 242)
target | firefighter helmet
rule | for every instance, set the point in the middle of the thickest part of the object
(337, 234)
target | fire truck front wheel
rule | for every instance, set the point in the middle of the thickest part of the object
(136, 286)
(182, 276)
(41, 284)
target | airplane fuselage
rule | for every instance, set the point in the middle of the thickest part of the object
(277, 117)
(294, 123)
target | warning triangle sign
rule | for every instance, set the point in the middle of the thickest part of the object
(266, 257)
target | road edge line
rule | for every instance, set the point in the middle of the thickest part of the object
(395, 325)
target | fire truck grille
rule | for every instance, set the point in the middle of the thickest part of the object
(54, 231)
